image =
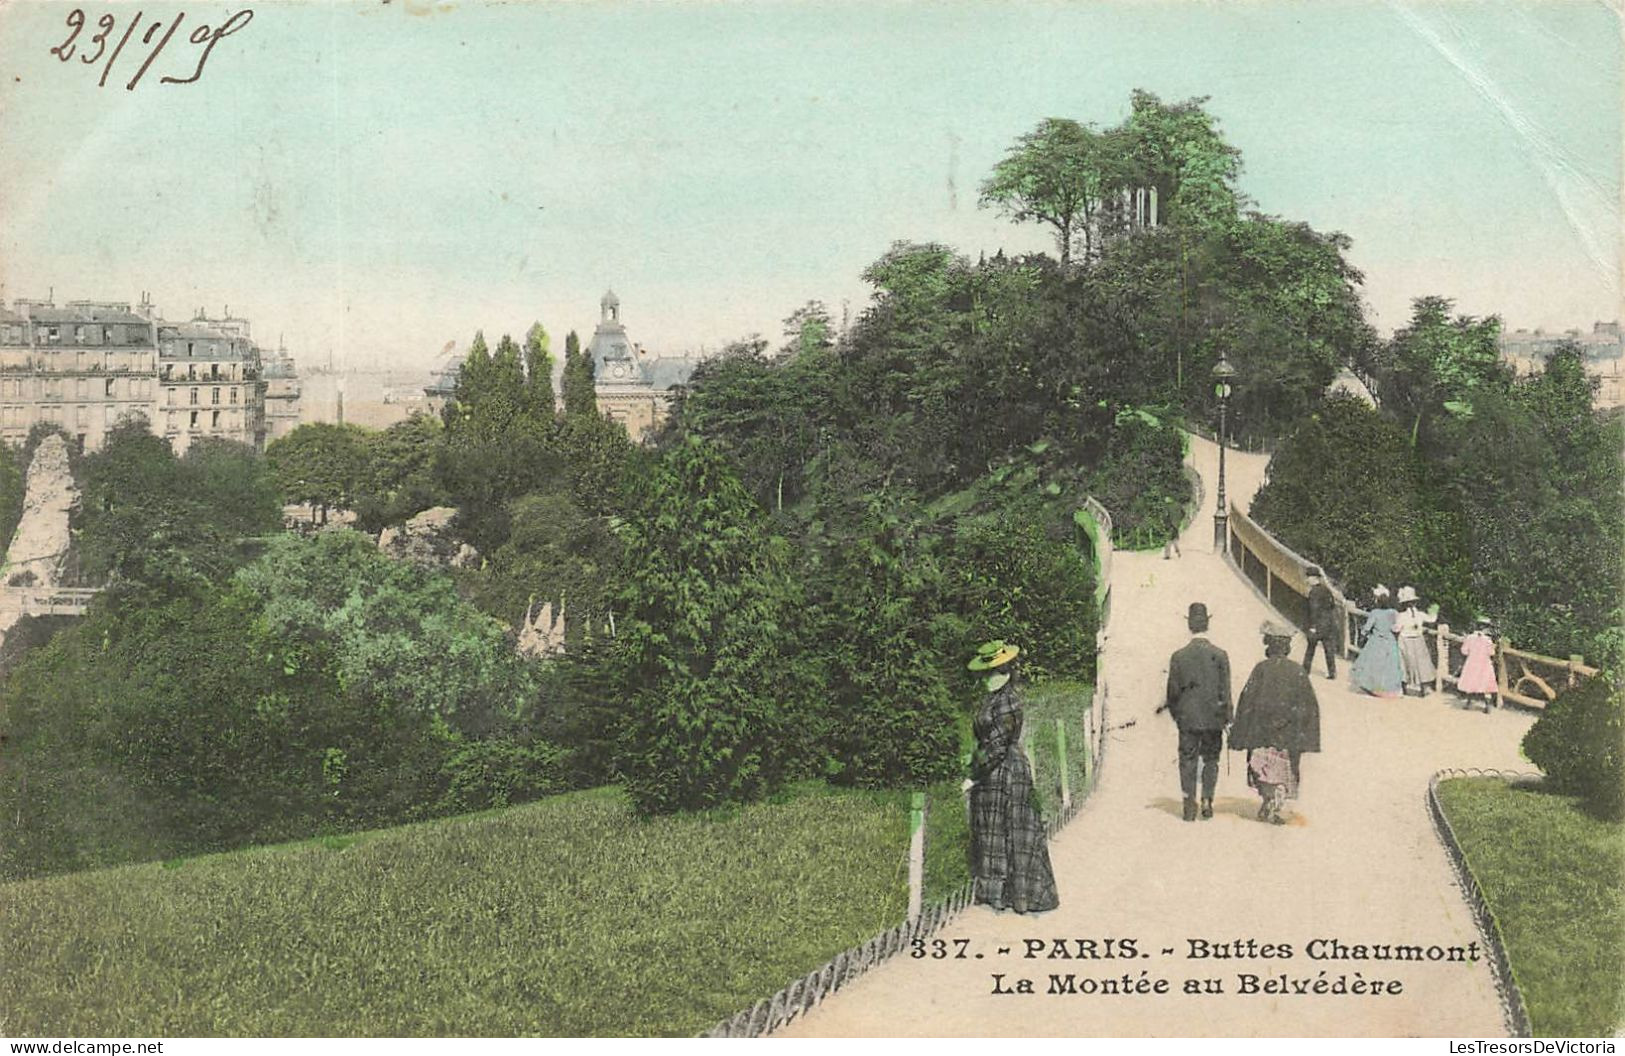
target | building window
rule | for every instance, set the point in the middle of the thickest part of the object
(193, 424)
(109, 387)
(214, 395)
(81, 416)
(110, 415)
(53, 335)
(194, 397)
(171, 397)
(233, 395)
(79, 334)
(81, 387)
(214, 422)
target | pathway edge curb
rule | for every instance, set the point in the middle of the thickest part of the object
(1513, 1013)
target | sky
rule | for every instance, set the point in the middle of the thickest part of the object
(371, 181)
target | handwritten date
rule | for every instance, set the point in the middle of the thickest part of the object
(92, 49)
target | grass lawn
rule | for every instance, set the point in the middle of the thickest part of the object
(568, 916)
(1553, 876)
(1066, 701)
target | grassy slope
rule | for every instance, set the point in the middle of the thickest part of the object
(568, 916)
(1553, 878)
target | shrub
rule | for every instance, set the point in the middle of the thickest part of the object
(706, 657)
(1579, 741)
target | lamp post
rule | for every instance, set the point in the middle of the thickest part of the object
(1222, 373)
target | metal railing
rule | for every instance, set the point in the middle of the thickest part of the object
(1523, 677)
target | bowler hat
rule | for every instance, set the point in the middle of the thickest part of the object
(1196, 616)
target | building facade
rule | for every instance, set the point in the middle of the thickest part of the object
(281, 394)
(81, 367)
(1603, 348)
(631, 386)
(87, 365)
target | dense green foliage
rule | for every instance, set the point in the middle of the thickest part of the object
(320, 465)
(12, 473)
(1579, 742)
(1494, 496)
(709, 607)
(568, 917)
(321, 688)
(1551, 873)
(149, 520)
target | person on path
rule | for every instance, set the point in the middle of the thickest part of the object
(1325, 623)
(1415, 661)
(1376, 669)
(1277, 720)
(1478, 667)
(1198, 698)
(1009, 848)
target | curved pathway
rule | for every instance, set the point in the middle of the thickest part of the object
(1360, 864)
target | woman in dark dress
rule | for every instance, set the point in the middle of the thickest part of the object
(1277, 720)
(1009, 849)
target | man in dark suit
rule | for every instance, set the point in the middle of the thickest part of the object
(1199, 700)
(1325, 623)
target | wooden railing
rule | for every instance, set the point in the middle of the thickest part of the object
(1525, 678)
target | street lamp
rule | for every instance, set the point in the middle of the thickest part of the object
(1222, 373)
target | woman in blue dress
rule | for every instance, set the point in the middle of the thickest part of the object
(1377, 669)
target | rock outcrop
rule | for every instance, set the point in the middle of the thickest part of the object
(40, 544)
(541, 635)
(427, 539)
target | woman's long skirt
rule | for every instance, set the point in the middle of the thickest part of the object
(1009, 849)
(1416, 660)
(1377, 668)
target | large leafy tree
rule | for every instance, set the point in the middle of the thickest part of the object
(1437, 363)
(579, 397)
(705, 657)
(148, 520)
(399, 477)
(320, 465)
(1059, 174)
(538, 373)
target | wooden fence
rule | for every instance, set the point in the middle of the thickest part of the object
(1525, 678)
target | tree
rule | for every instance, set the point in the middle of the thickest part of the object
(1435, 359)
(399, 480)
(808, 329)
(1057, 174)
(148, 520)
(1177, 149)
(579, 397)
(705, 655)
(538, 373)
(320, 465)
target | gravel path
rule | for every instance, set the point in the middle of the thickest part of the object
(1359, 864)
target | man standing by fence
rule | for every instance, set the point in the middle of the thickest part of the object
(1325, 623)
(1199, 700)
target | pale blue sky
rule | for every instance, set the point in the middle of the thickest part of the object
(378, 182)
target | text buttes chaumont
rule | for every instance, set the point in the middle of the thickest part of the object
(1317, 949)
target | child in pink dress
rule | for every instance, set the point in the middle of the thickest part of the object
(1478, 670)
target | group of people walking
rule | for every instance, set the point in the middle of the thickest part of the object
(1275, 721)
(1394, 657)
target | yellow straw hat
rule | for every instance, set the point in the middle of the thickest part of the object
(993, 654)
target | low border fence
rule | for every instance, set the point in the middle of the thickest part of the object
(1506, 984)
(1525, 678)
(805, 993)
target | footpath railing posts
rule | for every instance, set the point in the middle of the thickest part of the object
(916, 856)
(1060, 750)
(1443, 638)
(1500, 674)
